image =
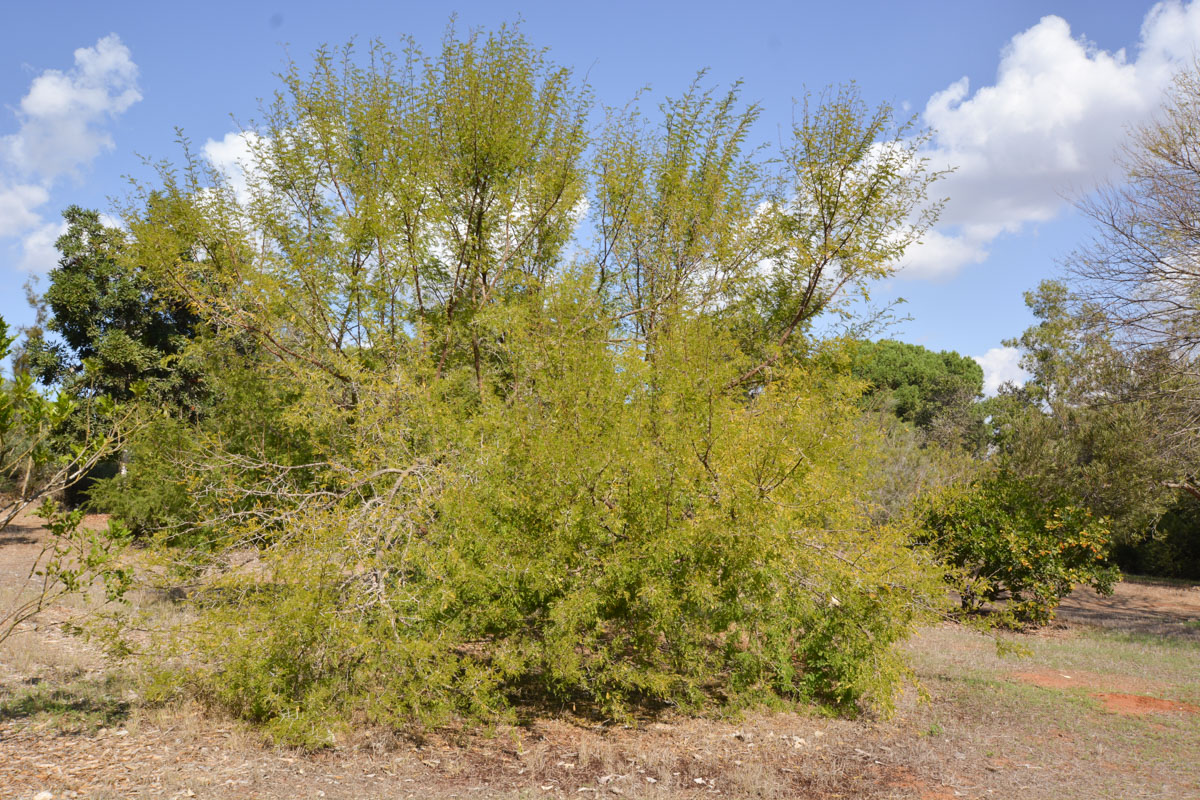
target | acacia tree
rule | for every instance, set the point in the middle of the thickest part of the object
(621, 477)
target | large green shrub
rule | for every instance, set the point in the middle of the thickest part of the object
(615, 533)
(498, 468)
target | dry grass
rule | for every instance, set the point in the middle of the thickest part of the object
(1041, 726)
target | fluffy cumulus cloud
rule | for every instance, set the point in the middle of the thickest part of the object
(1001, 365)
(1047, 128)
(38, 253)
(63, 116)
(62, 126)
(18, 207)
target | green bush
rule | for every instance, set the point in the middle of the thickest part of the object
(149, 495)
(603, 538)
(484, 470)
(1007, 543)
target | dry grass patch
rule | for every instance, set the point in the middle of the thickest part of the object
(994, 726)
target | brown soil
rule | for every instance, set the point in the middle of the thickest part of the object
(907, 781)
(196, 757)
(1137, 607)
(1141, 704)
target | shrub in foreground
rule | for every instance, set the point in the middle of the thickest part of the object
(602, 539)
(516, 459)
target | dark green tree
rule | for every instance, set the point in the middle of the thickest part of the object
(109, 332)
(938, 392)
(1100, 423)
(1082, 425)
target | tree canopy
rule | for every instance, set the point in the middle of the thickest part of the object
(111, 329)
(935, 391)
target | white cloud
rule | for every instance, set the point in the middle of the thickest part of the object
(64, 113)
(38, 254)
(62, 128)
(1047, 127)
(18, 207)
(929, 258)
(234, 157)
(1000, 366)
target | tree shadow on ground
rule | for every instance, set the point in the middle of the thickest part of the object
(18, 533)
(88, 704)
(1137, 607)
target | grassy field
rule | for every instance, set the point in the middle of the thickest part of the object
(1104, 704)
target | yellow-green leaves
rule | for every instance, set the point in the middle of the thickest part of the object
(493, 468)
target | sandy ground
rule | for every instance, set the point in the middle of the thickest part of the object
(1142, 607)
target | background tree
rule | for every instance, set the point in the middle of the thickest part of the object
(1114, 407)
(1010, 540)
(1137, 282)
(111, 330)
(938, 393)
(108, 332)
(1081, 425)
(1084, 431)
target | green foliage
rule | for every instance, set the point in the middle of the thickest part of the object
(1005, 542)
(117, 337)
(27, 421)
(1082, 426)
(601, 538)
(244, 411)
(936, 392)
(1170, 549)
(38, 460)
(74, 561)
(454, 466)
(908, 464)
(42, 450)
(79, 558)
(151, 494)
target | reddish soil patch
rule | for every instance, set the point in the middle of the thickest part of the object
(904, 779)
(1080, 679)
(1115, 702)
(1141, 704)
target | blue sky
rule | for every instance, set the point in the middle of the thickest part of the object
(1029, 100)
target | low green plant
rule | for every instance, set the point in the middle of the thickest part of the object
(39, 461)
